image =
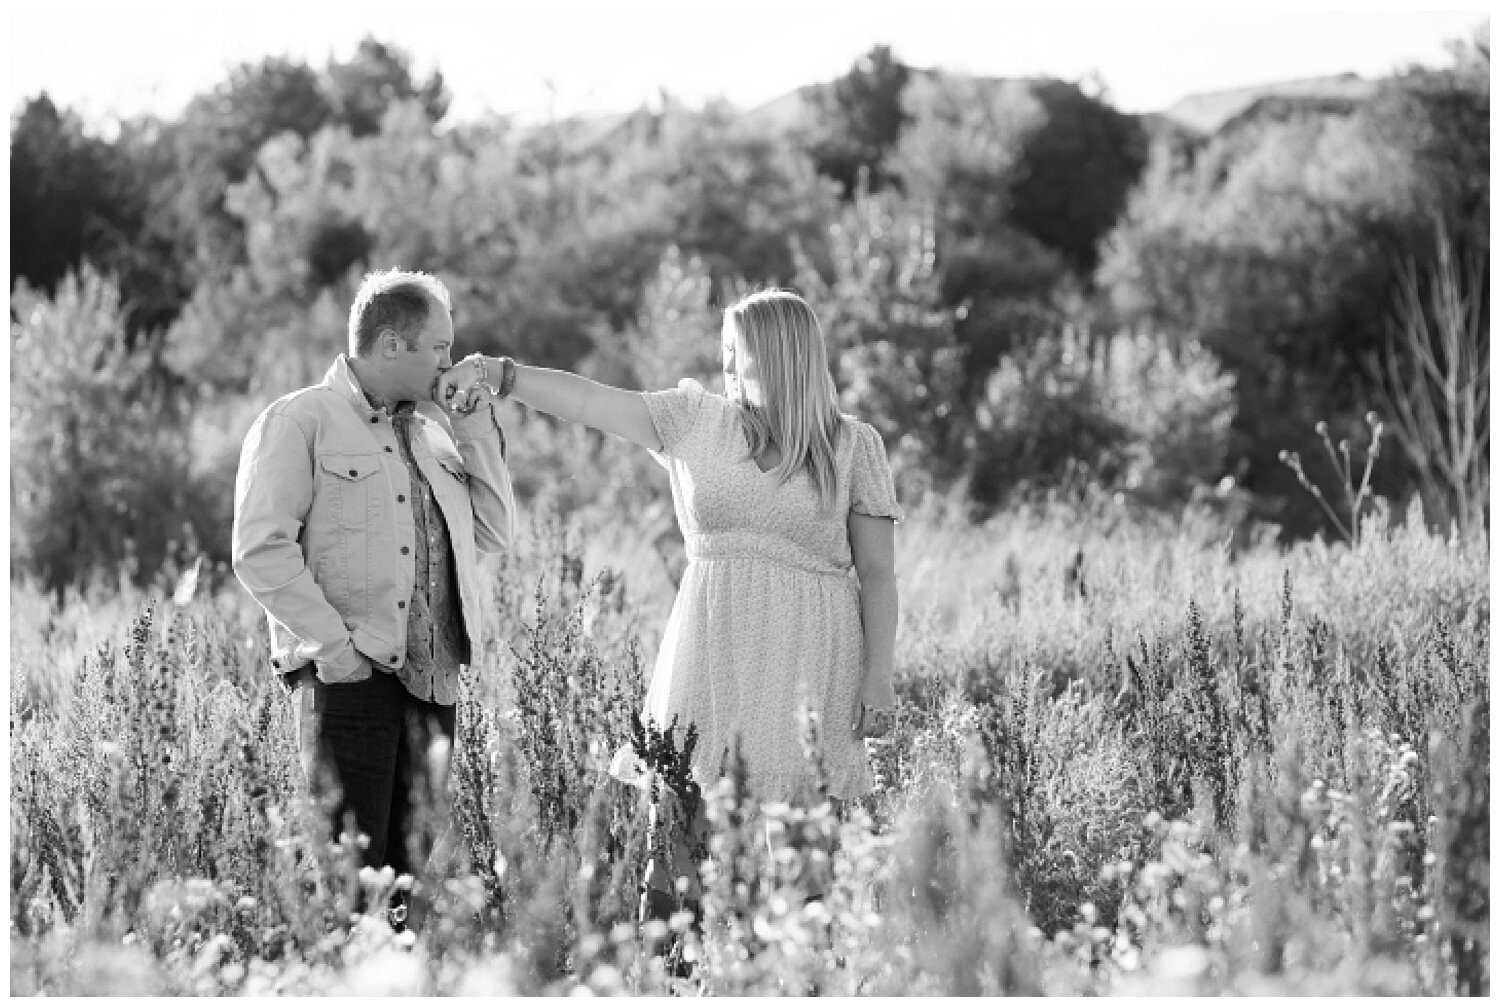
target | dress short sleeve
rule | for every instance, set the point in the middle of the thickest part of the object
(674, 411)
(872, 490)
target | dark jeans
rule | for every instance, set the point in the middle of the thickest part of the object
(375, 737)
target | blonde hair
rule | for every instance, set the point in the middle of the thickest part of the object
(798, 411)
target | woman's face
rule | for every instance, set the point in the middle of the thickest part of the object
(741, 378)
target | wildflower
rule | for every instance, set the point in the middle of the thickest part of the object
(1182, 962)
(606, 979)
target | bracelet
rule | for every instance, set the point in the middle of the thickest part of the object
(507, 377)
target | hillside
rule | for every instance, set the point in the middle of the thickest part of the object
(797, 108)
(1203, 113)
(1210, 111)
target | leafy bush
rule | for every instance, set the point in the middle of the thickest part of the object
(1126, 413)
(98, 460)
(891, 341)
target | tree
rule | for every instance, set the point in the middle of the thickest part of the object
(216, 144)
(860, 118)
(1278, 243)
(1442, 115)
(890, 339)
(72, 195)
(959, 157)
(99, 463)
(1074, 171)
(678, 332)
(376, 77)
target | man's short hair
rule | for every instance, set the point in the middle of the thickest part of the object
(393, 299)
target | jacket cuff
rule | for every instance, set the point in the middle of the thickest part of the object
(479, 424)
(348, 665)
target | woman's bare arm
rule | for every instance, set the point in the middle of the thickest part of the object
(873, 541)
(569, 397)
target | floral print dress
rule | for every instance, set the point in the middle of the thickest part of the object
(767, 616)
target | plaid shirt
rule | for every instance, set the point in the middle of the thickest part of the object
(435, 640)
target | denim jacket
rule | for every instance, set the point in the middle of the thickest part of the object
(323, 531)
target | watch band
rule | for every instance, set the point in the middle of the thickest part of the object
(507, 377)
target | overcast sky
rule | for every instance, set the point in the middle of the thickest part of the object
(536, 59)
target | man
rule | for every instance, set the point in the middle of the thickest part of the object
(360, 508)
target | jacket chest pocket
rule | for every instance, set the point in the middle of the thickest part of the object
(353, 491)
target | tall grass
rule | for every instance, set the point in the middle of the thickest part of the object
(1129, 757)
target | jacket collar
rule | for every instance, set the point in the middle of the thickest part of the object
(342, 379)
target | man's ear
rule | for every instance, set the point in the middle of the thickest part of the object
(389, 343)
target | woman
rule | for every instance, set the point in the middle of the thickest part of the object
(778, 496)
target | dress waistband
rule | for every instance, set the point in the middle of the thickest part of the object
(759, 546)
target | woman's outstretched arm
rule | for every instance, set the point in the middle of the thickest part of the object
(566, 396)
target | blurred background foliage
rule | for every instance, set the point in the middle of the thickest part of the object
(1026, 290)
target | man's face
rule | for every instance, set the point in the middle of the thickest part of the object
(416, 370)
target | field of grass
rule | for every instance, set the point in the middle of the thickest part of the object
(1131, 756)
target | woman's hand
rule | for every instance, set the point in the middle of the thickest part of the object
(459, 388)
(877, 709)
